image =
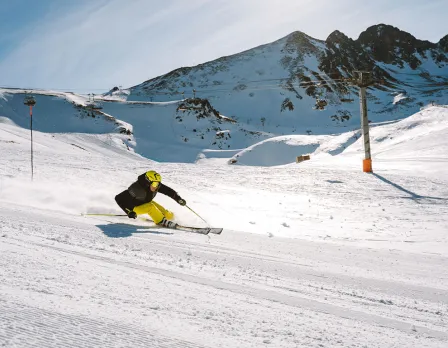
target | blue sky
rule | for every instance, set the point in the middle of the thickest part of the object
(94, 45)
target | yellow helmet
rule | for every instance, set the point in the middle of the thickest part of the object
(154, 178)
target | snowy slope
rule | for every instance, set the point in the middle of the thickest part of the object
(163, 133)
(316, 254)
(156, 130)
(418, 138)
(57, 112)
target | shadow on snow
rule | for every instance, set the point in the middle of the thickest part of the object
(126, 230)
(413, 195)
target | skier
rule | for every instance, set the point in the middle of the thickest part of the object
(138, 199)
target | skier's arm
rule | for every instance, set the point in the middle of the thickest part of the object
(168, 191)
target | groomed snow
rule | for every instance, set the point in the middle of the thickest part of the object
(315, 254)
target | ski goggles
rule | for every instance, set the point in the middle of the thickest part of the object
(155, 184)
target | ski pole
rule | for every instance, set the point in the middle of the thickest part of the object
(197, 214)
(105, 214)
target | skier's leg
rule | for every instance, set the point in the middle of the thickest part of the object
(150, 209)
(155, 214)
(168, 214)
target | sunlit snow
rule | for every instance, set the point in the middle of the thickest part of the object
(312, 254)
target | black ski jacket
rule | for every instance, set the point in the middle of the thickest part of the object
(140, 193)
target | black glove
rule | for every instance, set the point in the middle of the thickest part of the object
(132, 215)
(182, 201)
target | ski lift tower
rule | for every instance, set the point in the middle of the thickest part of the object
(363, 80)
(30, 101)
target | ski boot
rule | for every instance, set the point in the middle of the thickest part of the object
(167, 223)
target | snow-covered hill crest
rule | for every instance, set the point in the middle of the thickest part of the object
(418, 137)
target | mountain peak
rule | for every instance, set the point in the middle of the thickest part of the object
(299, 37)
(391, 45)
(336, 37)
(299, 41)
(443, 43)
(384, 32)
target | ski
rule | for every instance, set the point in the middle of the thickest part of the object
(200, 230)
(216, 230)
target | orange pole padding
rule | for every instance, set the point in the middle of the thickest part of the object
(367, 165)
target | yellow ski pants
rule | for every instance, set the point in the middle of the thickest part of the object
(154, 210)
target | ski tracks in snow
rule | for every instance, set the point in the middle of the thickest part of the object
(26, 326)
(313, 294)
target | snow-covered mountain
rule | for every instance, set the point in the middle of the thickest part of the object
(273, 81)
(238, 101)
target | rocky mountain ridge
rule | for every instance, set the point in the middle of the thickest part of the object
(291, 74)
